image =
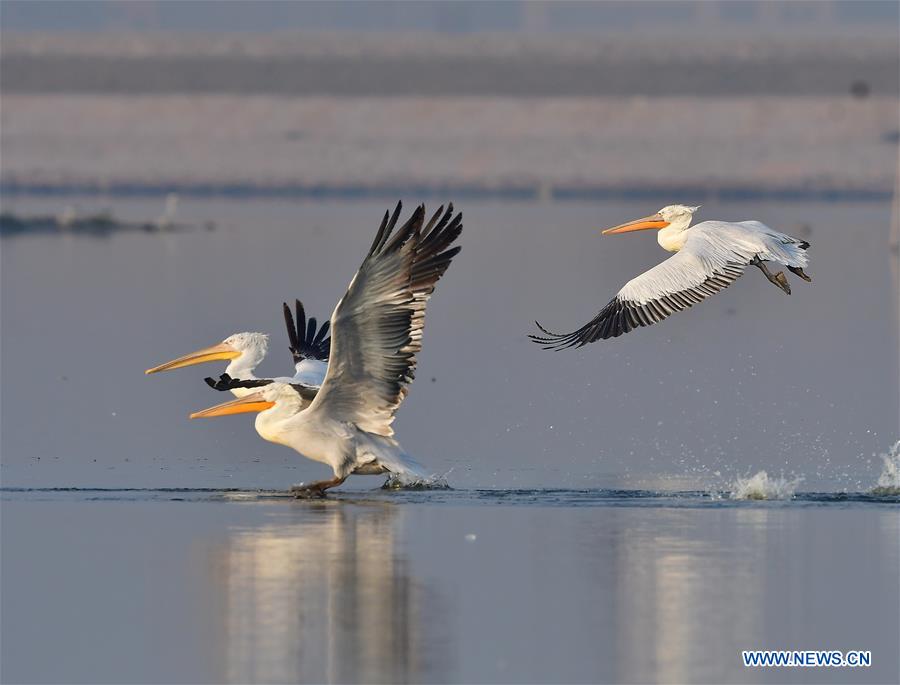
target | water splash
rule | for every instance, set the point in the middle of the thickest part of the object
(400, 481)
(889, 480)
(760, 486)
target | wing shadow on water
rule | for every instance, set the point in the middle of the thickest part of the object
(326, 596)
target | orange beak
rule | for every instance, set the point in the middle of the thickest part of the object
(242, 405)
(207, 354)
(648, 222)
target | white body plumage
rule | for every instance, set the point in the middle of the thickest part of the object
(376, 335)
(708, 247)
(339, 444)
(707, 258)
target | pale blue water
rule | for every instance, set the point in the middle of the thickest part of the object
(452, 586)
(589, 536)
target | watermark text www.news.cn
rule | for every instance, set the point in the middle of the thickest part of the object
(806, 659)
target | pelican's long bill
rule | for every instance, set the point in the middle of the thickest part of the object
(648, 222)
(251, 403)
(207, 354)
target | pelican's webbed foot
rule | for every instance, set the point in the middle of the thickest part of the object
(782, 282)
(778, 279)
(315, 490)
(310, 491)
(798, 271)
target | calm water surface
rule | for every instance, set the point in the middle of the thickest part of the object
(536, 586)
(515, 584)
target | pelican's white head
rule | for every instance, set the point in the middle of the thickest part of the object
(253, 348)
(243, 350)
(678, 216)
(274, 403)
(281, 398)
(671, 221)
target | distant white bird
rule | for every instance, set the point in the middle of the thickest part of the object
(167, 218)
(709, 257)
(244, 351)
(376, 335)
(67, 217)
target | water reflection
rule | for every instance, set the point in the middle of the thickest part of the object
(689, 592)
(334, 594)
(327, 597)
(388, 592)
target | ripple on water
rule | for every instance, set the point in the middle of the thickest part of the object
(758, 488)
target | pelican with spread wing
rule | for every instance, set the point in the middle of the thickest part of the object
(309, 347)
(708, 258)
(376, 333)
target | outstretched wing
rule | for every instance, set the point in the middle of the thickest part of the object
(377, 325)
(305, 341)
(704, 266)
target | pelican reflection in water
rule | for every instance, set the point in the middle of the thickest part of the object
(327, 597)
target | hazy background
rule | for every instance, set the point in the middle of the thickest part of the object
(288, 128)
(453, 17)
(171, 172)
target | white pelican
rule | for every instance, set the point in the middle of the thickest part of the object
(245, 351)
(708, 258)
(376, 333)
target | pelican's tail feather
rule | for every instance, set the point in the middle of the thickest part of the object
(388, 454)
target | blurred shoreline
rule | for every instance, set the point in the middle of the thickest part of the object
(651, 63)
(541, 148)
(785, 117)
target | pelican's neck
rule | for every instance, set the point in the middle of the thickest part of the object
(242, 367)
(270, 423)
(672, 237)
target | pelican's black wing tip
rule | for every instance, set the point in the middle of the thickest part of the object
(226, 382)
(308, 339)
(295, 329)
(549, 340)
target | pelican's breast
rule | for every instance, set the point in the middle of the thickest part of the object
(670, 240)
(271, 429)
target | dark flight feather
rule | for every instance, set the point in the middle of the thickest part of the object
(305, 341)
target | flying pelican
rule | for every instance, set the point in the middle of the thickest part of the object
(376, 334)
(308, 346)
(708, 258)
